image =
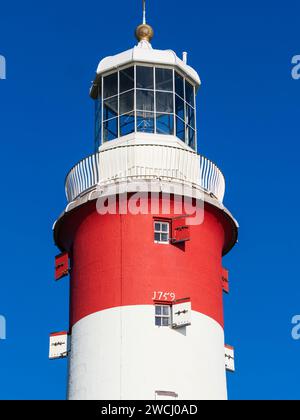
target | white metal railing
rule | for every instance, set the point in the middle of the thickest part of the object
(123, 163)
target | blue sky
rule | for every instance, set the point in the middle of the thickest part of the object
(248, 123)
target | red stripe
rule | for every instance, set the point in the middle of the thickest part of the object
(58, 333)
(115, 262)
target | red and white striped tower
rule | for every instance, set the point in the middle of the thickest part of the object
(146, 276)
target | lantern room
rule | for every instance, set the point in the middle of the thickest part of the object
(144, 90)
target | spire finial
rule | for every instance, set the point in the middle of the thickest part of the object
(144, 32)
(144, 12)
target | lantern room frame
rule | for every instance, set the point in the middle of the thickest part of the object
(177, 113)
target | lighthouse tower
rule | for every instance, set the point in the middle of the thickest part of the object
(142, 238)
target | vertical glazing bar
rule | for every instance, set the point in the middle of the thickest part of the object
(135, 112)
(102, 112)
(185, 113)
(118, 99)
(195, 117)
(154, 86)
(174, 98)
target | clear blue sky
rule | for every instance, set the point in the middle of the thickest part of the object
(248, 120)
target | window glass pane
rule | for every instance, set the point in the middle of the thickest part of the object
(144, 77)
(126, 124)
(165, 124)
(190, 113)
(158, 321)
(158, 310)
(110, 108)
(164, 237)
(164, 102)
(126, 102)
(191, 137)
(157, 226)
(157, 237)
(180, 129)
(165, 322)
(179, 107)
(144, 100)
(179, 87)
(189, 93)
(164, 79)
(110, 85)
(165, 227)
(110, 129)
(126, 79)
(145, 122)
(165, 310)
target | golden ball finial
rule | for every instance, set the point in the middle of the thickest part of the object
(144, 32)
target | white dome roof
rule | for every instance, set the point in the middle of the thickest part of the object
(144, 53)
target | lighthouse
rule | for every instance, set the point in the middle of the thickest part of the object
(142, 238)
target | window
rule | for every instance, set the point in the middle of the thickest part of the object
(180, 129)
(110, 85)
(126, 102)
(126, 124)
(179, 85)
(179, 107)
(164, 102)
(126, 79)
(145, 122)
(144, 77)
(189, 93)
(191, 137)
(165, 124)
(110, 108)
(144, 100)
(110, 129)
(162, 315)
(161, 232)
(164, 79)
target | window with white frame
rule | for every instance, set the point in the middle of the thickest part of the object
(162, 315)
(161, 232)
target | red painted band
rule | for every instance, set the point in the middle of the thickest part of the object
(115, 262)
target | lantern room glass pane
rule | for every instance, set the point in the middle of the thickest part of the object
(164, 79)
(179, 85)
(165, 124)
(191, 137)
(110, 129)
(144, 100)
(145, 122)
(179, 107)
(144, 77)
(126, 102)
(110, 87)
(110, 108)
(164, 102)
(180, 129)
(127, 124)
(189, 94)
(190, 115)
(126, 79)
